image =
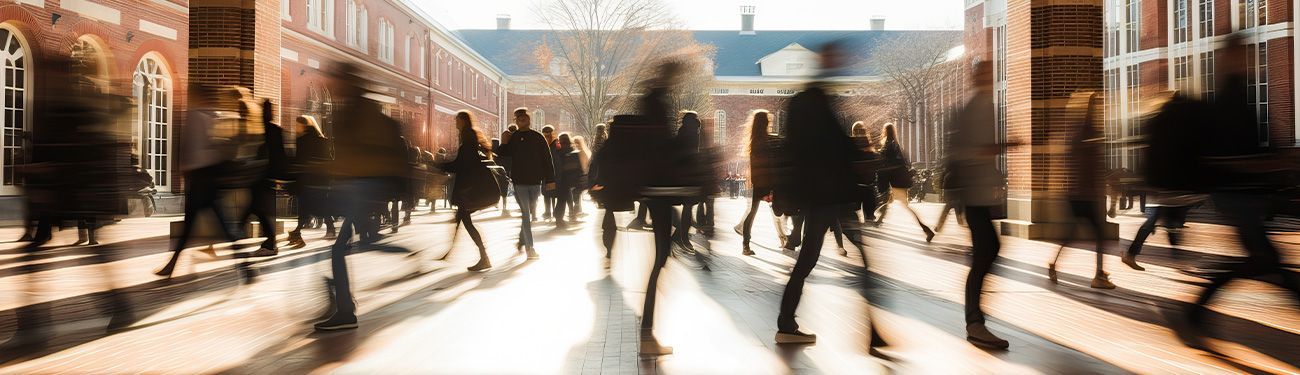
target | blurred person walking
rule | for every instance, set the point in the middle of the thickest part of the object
(476, 188)
(1240, 175)
(820, 180)
(568, 165)
(548, 191)
(262, 202)
(532, 168)
(973, 150)
(203, 162)
(584, 183)
(1086, 192)
(369, 156)
(312, 182)
(896, 178)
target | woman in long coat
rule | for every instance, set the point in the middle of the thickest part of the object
(895, 178)
(475, 187)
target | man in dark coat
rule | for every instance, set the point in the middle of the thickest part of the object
(532, 168)
(819, 180)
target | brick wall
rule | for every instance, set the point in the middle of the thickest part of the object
(1155, 23)
(1281, 86)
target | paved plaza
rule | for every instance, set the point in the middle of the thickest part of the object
(574, 312)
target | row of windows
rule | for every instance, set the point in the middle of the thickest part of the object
(151, 87)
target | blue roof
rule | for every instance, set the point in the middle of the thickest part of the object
(736, 54)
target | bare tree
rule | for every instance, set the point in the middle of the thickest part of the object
(913, 64)
(599, 50)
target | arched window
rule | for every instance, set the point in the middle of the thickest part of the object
(720, 127)
(89, 65)
(539, 119)
(386, 41)
(350, 20)
(423, 66)
(152, 88)
(14, 81)
(320, 106)
(779, 125)
(363, 29)
(566, 120)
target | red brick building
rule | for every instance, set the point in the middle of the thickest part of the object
(132, 48)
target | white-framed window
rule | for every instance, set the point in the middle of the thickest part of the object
(350, 23)
(539, 119)
(152, 89)
(437, 68)
(1257, 88)
(1206, 8)
(15, 82)
(1207, 76)
(363, 29)
(284, 11)
(475, 83)
(1183, 74)
(320, 16)
(1132, 24)
(1252, 13)
(424, 66)
(720, 127)
(1182, 22)
(406, 53)
(386, 40)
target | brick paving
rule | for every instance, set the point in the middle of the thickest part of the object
(573, 312)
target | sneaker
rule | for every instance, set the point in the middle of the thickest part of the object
(337, 322)
(1102, 282)
(977, 334)
(796, 337)
(264, 252)
(532, 254)
(1131, 262)
(651, 347)
(929, 234)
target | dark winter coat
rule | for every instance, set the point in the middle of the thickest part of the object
(819, 154)
(475, 186)
(530, 158)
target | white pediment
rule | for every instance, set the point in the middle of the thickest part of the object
(792, 60)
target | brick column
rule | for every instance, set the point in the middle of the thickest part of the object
(1054, 51)
(236, 42)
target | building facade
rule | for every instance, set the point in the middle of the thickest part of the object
(130, 48)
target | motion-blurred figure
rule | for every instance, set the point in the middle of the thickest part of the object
(531, 169)
(820, 180)
(895, 178)
(1086, 190)
(1240, 174)
(761, 150)
(475, 187)
(205, 159)
(1169, 146)
(369, 157)
(312, 181)
(568, 166)
(262, 204)
(972, 158)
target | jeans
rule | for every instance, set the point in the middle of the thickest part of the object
(816, 221)
(748, 225)
(1173, 216)
(661, 213)
(526, 195)
(985, 247)
(355, 199)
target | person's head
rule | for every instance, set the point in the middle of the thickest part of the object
(464, 121)
(890, 134)
(548, 132)
(858, 130)
(565, 141)
(832, 57)
(601, 129)
(758, 123)
(522, 119)
(668, 73)
(307, 125)
(1235, 57)
(345, 79)
(690, 120)
(580, 143)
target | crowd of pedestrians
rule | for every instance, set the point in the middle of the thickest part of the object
(820, 175)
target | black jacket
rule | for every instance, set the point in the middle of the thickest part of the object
(530, 158)
(819, 154)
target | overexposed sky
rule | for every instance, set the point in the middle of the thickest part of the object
(725, 14)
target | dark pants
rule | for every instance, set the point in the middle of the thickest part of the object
(748, 227)
(685, 221)
(262, 205)
(561, 199)
(356, 198)
(463, 217)
(797, 233)
(609, 230)
(662, 213)
(1089, 212)
(985, 247)
(309, 201)
(1246, 212)
(575, 201)
(1173, 217)
(818, 220)
(641, 211)
(201, 194)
